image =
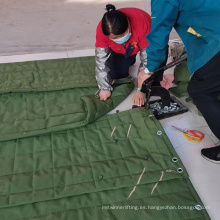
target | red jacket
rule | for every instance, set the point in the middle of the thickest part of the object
(140, 23)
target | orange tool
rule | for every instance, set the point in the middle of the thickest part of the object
(192, 135)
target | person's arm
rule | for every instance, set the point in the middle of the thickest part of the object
(138, 98)
(102, 69)
(102, 53)
(143, 59)
(164, 14)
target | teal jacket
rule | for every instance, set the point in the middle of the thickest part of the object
(196, 21)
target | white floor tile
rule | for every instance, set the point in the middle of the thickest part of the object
(214, 211)
(211, 135)
(184, 121)
(207, 191)
(199, 169)
(193, 109)
(199, 118)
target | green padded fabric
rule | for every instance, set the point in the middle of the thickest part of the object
(180, 90)
(181, 79)
(181, 73)
(27, 114)
(72, 174)
(39, 97)
(47, 75)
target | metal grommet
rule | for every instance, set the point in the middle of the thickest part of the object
(159, 133)
(174, 159)
(179, 170)
(198, 207)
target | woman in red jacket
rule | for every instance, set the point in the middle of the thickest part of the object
(119, 37)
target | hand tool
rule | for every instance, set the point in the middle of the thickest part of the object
(173, 63)
(159, 91)
(192, 135)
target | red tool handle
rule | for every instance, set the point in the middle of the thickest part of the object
(196, 133)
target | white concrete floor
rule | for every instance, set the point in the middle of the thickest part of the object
(38, 30)
(54, 25)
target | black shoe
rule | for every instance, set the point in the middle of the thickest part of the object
(211, 154)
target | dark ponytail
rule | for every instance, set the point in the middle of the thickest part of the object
(110, 7)
(114, 22)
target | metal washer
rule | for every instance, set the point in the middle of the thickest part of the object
(174, 159)
(159, 133)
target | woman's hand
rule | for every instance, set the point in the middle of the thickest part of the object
(104, 95)
(138, 98)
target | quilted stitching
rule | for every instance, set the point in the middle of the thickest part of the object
(47, 75)
(27, 114)
(85, 163)
(56, 164)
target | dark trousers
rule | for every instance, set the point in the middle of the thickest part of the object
(119, 65)
(158, 76)
(204, 89)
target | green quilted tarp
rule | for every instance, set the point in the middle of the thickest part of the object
(60, 159)
(119, 167)
(47, 75)
(29, 106)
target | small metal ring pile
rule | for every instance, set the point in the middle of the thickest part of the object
(157, 107)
